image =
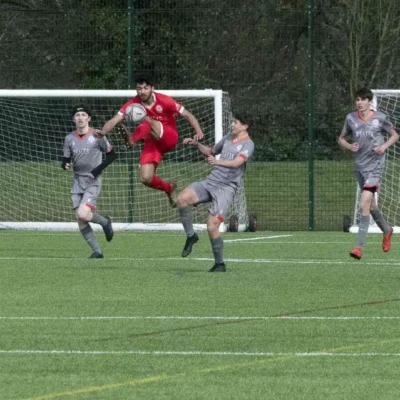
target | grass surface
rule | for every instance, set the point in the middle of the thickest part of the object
(294, 317)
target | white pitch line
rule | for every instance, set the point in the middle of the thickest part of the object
(232, 260)
(174, 317)
(197, 353)
(87, 259)
(307, 243)
(296, 261)
(256, 238)
(91, 261)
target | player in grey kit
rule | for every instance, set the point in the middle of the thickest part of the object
(368, 129)
(218, 188)
(85, 151)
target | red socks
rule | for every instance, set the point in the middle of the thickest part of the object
(158, 184)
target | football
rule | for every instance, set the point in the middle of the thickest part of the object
(135, 112)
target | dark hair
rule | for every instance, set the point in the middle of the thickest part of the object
(365, 93)
(144, 78)
(243, 118)
(81, 108)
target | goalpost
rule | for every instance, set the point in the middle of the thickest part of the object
(388, 197)
(35, 191)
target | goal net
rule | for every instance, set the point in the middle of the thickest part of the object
(35, 190)
(388, 197)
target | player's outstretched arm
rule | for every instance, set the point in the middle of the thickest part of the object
(109, 125)
(194, 124)
(235, 163)
(203, 149)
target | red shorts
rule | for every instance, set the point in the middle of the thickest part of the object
(154, 150)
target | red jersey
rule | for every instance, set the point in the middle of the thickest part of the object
(163, 109)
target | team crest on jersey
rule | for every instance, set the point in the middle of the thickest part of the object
(91, 139)
(375, 122)
(159, 109)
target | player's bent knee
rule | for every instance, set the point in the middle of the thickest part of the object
(183, 201)
(213, 224)
(147, 173)
(85, 217)
(186, 198)
(83, 213)
(146, 177)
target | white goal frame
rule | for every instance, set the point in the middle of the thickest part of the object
(217, 95)
(373, 227)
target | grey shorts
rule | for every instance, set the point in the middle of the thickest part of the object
(85, 190)
(220, 197)
(370, 179)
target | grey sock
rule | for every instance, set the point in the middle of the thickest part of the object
(217, 246)
(89, 236)
(380, 221)
(362, 230)
(98, 219)
(186, 217)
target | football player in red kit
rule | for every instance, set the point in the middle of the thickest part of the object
(158, 130)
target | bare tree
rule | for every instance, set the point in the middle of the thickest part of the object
(52, 43)
(360, 39)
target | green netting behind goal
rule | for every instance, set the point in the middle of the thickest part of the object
(36, 191)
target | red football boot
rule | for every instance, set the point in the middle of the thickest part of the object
(386, 243)
(356, 253)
